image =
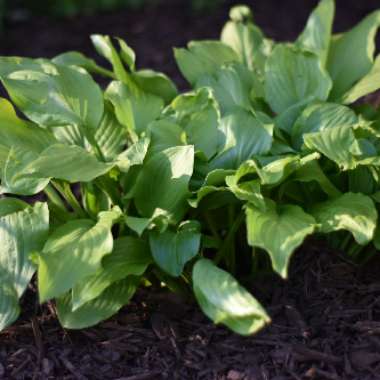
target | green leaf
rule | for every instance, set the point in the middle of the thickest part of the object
(317, 33)
(16, 176)
(19, 134)
(110, 136)
(231, 86)
(366, 85)
(320, 116)
(75, 58)
(156, 83)
(101, 308)
(134, 155)
(335, 143)
(172, 250)
(70, 163)
(130, 257)
(245, 135)
(353, 212)
(9, 307)
(351, 54)
(104, 46)
(53, 95)
(163, 182)
(10, 205)
(23, 230)
(224, 301)
(197, 113)
(73, 252)
(247, 40)
(203, 58)
(134, 108)
(291, 76)
(165, 134)
(279, 230)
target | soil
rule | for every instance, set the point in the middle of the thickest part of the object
(325, 318)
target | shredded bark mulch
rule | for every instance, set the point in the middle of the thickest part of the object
(326, 317)
(325, 325)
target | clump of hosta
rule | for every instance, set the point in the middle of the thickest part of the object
(192, 191)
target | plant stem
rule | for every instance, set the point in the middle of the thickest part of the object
(65, 191)
(211, 226)
(54, 197)
(230, 238)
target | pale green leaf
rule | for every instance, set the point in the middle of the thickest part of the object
(351, 54)
(293, 75)
(317, 33)
(224, 301)
(73, 252)
(353, 212)
(279, 230)
(101, 308)
(203, 57)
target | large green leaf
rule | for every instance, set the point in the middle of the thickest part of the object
(19, 134)
(134, 108)
(279, 230)
(351, 54)
(172, 250)
(52, 95)
(203, 58)
(231, 86)
(130, 257)
(163, 182)
(17, 178)
(99, 309)
(155, 83)
(70, 163)
(224, 301)
(320, 116)
(317, 33)
(293, 75)
(23, 231)
(335, 143)
(110, 136)
(368, 84)
(353, 212)
(197, 112)
(245, 135)
(73, 252)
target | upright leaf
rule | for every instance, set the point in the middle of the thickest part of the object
(317, 33)
(293, 75)
(163, 182)
(351, 54)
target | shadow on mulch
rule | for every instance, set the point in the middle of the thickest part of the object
(325, 325)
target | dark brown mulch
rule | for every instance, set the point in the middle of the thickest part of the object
(326, 318)
(326, 325)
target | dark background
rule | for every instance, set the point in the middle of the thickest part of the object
(154, 27)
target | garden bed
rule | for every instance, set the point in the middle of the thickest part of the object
(326, 325)
(326, 317)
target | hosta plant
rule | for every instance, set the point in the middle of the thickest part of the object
(197, 191)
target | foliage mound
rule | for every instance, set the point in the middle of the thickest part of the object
(192, 191)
